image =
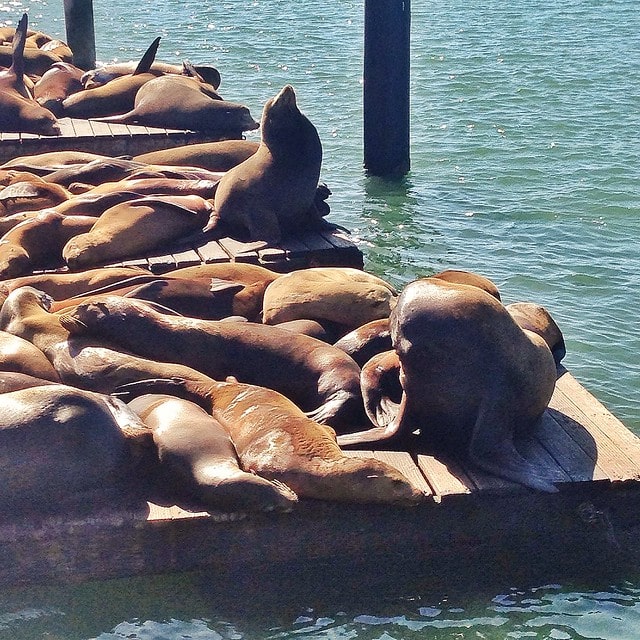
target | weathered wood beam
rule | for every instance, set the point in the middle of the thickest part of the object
(387, 26)
(78, 17)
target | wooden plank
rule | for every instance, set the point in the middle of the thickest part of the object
(212, 252)
(158, 513)
(572, 458)
(161, 264)
(186, 258)
(240, 251)
(487, 483)
(445, 478)
(534, 451)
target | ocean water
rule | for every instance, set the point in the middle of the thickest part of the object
(525, 151)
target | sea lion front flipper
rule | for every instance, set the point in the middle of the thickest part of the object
(147, 59)
(492, 449)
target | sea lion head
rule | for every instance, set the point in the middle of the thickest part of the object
(87, 316)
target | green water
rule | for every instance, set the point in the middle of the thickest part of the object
(525, 168)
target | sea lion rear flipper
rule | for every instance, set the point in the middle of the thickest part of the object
(148, 58)
(17, 55)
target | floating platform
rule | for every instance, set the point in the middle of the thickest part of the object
(104, 138)
(469, 517)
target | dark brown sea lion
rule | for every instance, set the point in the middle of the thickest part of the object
(19, 112)
(472, 379)
(117, 96)
(215, 156)
(57, 443)
(19, 355)
(58, 83)
(344, 296)
(534, 317)
(38, 242)
(136, 227)
(94, 172)
(366, 341)
(274, 439)
(321, 379)
(177, 102)
(155, 186)
(199, 460)
(272, 193)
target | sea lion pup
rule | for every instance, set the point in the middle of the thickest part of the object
(274, 439)
(66, 285)
(199, 460)
(534, 317)
(38, 242)
(135, 227)
(321, 379)
(178, 102)
(215, 156)
(20, 356)
(58, 83)
(117, 96)
(344, 296)
(58, 443)
(19, 112)
(272, 193)
(493, 383)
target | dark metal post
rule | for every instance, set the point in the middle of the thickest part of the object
(387, 26)
(78, 18)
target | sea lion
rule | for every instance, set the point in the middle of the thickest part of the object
(472, 379)
(274, 439)
(43, 163)
(31, 195)
(151, 186)
(321, 379)
(38, 242)
(470, 278)
(117, 96)
(534, 317)
(178, 102)
(381, 388)
(19, 112)
(98, 77)
(366, 341)
(58, 83)
(94, 172)
(215, 156)
(272, 193)
(58, 443)
(66, 285)
(14, 381)
(19, 355)
(199, 460)
(344, 296)
(134, 228)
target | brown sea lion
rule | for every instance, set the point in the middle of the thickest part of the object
(58, 443)
(472, 379)
(43, 163)
(215, 156)
(58, 83)
(136, 227)
(154, 186)
(94, 172)
(178, 102)
(38, 242)
(321, 379)
(104, 74)
(272, 193)
(19, 355)
(274, 439)
(342, 295)
(199, 460)
(19, 112)
(31, 195)
(14, 381)
(470, 278)
(381, 388)
(117, 96)
(66, 285)
(534, 317)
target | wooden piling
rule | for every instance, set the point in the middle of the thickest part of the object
(387, 26)
(78, 17)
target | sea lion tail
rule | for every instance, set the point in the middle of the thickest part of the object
(148, 58)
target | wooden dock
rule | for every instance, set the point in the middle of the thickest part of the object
(100, 137)
(468, 518)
